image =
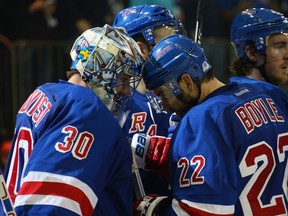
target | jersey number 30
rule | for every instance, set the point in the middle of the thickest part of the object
(78, 143)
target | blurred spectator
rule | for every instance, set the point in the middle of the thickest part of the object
(4, 152)
(51, 19)
(218, 14)
(77, 16)
(116, 6)
(29, 19)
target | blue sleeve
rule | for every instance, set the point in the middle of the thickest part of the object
(231, 150)
(78, 158)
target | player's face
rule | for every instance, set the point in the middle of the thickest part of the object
(170, 101)
(276, 66)
(123, 85)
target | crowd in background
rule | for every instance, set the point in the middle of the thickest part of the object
(65, 19)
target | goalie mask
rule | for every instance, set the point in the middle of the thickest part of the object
(108, 61)
(143, 19)
(256, 24)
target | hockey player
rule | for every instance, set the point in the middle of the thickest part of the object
(69, 154)
(260, 39)
(147, 24)
(228, 155)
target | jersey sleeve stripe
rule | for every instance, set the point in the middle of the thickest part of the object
(202, 208)
(62, 202)
(56, 189)
(68, 187)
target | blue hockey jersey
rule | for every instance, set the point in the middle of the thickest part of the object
(242, 79)
(229, 154)
(69, 155)
(143, 118)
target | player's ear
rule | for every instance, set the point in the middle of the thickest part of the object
(251, 53)
(186, 80)
(144, 49)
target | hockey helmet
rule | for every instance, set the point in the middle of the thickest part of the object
(170, 58)
(142, 19)
(256, 24)
(102, 55)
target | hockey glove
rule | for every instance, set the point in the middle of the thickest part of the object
(151, 152)
(151, 205)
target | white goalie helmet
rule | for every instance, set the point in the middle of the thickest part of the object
(108, 60)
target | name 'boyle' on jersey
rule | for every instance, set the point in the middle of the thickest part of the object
(230, 153)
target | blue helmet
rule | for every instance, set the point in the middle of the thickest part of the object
(143, 19)
(170, 58)
(255, 24)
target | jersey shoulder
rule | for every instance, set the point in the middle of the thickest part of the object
(63, 103)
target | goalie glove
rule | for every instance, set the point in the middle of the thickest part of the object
(152, 205)
(151, 152)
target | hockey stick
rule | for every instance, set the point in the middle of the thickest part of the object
(138, 185)
(5, 198)
(137, 181)
(199, 21)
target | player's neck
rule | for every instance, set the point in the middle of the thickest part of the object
(255, 74)
(141, 87)
(76, 79)
(209, 87)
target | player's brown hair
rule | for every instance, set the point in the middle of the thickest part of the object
(243, 66)
(71, 72)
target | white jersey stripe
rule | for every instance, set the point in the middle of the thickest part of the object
(211, 208)
(48, 200)
(50, 177)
